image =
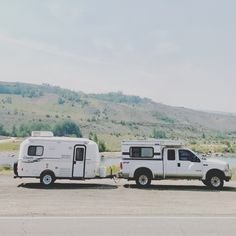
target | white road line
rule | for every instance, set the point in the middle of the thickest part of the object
(114, 217)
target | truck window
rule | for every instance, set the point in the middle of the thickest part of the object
(186, 155)
(79, 154)
(35, 150)
(171, 155)
(147, 152)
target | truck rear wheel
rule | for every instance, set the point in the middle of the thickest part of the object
(47, 179)
(143, 179)
(215, 181)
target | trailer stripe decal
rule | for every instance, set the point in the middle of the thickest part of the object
(157, 153)
(127, 153)
(146, 159)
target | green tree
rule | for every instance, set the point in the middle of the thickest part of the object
(67, 128)
(24, 130)
(93, 136)
(101, 143)
(2, 130)
(61, 101)
(102, 146)
(158, 134)
(14, 131)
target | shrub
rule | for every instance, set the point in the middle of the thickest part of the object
(158, 134)
(101, 144)
(2, 130)
(67, 128)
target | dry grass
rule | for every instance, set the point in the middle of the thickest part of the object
(9, 146)
(6, 170)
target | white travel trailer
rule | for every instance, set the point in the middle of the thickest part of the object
(49, 158)
(146, 160)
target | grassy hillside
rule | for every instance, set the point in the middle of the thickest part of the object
(113, 116)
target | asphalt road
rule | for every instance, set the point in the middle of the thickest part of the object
(175, 226)
(102, 207)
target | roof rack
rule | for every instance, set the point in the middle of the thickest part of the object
(161, 142)
(42, 134)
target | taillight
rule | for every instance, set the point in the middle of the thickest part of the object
(121, 165)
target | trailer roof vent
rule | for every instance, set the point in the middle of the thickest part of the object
(42, 134)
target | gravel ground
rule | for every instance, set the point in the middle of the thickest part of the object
(8, 158)
(26, 197)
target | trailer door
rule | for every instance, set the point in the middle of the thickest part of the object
(79, 161)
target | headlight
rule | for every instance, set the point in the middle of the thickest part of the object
(227, 167)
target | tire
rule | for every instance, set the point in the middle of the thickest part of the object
(15, 166)
(47, 179)
(143, 179)
(215, 181)
(205, 182)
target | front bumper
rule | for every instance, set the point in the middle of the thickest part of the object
(228, 175)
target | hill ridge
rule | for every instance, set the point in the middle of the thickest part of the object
(112, 116)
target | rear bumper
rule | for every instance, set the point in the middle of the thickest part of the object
(124, 175)
(17, 176)
(15, 169)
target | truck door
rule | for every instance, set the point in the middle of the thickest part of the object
(188, 164)
(170, 162)
(79, 161)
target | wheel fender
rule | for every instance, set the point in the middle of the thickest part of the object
(143, 170)
(48, 171)
(214, 171)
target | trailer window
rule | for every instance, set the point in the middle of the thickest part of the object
(141, 152)
(79, 154)
(171, 155)
(35, 151)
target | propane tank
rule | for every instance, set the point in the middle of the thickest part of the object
(102, 171)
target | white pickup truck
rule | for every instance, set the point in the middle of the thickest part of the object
(148, 160)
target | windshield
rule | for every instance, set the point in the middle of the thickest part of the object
(199, 155)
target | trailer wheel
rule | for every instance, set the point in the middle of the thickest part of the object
(47, 178)
(15, 166)
(143, 179)
(215, 181)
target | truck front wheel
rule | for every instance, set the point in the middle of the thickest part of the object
(143, 180)
(47, 179)
(215, 181)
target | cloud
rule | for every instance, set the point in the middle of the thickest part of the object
(167, 48)
(48, 49)
(61, 10)
(103, 44)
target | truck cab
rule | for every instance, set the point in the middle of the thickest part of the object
(147, 160)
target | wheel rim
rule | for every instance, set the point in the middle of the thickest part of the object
(215, 181)
(143, 179)
(47, 179)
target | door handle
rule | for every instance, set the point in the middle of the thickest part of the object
(178, 164)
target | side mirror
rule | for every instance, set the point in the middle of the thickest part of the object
(195, 159)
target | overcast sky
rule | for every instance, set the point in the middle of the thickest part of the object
(178, 52)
